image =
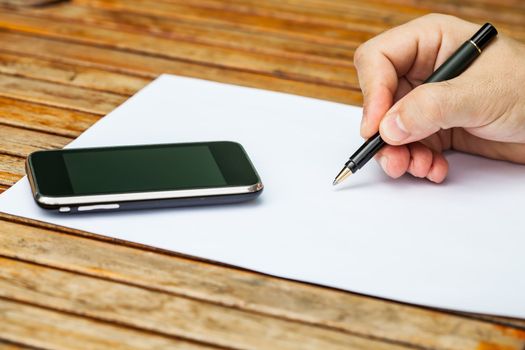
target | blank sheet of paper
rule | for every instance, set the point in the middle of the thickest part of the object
(458, 245)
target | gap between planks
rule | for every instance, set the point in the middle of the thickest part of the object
(10, 345)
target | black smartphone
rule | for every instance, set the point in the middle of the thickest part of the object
(143, 176)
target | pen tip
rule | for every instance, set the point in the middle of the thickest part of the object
(343, 174)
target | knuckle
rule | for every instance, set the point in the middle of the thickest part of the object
(358, 56)
(431, 16)
(434, 16)
(437, 17)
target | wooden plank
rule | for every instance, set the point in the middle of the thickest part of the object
(214, 36)
(214, 56)
(46, 329)
(328, 12)
(243, 290)
(360, 24)
(11, 170)
(51, 120)
(165, 314)
(90, 78)
(227, 18)
(401, 8)
(21, 142)
(496, 11)
(502, 3)
(357, 15)
(344, 16)
(96, 102)
(148, 66)
(370, 17)
(390, 11)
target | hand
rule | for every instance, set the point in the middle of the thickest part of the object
(482, 111)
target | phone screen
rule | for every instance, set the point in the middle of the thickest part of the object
(141, 168)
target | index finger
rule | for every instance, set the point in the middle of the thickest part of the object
(391, 64)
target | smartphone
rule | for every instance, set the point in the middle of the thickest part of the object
(143, 176)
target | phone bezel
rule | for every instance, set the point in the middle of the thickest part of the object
(54, 201)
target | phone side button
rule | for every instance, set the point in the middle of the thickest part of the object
(98, 207)
(64, 209)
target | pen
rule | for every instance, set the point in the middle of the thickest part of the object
(452, 67)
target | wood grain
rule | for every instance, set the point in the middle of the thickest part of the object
(371, 16)
(90, 78)
(187, 31)
(7, 345)
(252, 292)
(498, 11)
(38, 117)
(53, 94)
(165, 314)
(85, 55)
(47, 329)
(21, 142)
(245, 22)
(64, 66)
(251, 19)
(192, 52)
(11, 170)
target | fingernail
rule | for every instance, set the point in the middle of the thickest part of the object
(393, 128)
(383, 161)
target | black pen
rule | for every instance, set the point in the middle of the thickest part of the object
(452, 67)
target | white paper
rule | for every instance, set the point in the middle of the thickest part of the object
(458, 245)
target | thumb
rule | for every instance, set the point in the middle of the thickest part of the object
(425, 110)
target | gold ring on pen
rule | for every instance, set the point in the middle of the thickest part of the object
(476, 46)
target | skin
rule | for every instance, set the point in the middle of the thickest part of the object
(482, 111)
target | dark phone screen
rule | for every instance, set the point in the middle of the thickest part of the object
(141, 168)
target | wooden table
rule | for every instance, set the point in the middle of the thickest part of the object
(64, 66)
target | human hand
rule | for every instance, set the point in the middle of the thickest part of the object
(482, 111)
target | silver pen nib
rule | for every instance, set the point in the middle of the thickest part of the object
(343, 174)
